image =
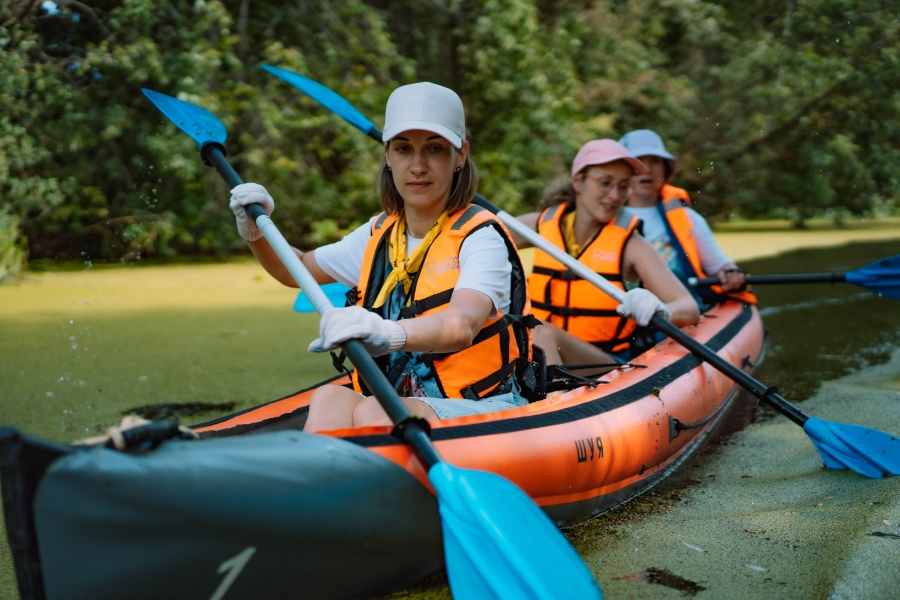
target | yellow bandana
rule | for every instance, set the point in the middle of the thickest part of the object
(567, 226)
(404, 265)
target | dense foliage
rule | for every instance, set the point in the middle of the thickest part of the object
(775, 109)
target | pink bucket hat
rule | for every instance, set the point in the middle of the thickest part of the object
(599, 152)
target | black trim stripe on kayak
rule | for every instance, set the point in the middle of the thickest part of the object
(618, 399)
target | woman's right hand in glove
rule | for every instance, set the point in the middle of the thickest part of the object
(241, 196)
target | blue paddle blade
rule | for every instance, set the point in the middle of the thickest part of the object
(199, 123)
(881, 277)
(327, 98)
(867, 451)
(336, 292)
(499, 544)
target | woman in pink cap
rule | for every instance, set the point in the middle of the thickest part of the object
(586, 218)
(437, 279)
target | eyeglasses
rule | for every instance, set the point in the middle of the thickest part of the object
(607, 186)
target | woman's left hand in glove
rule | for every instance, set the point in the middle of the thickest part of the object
(378, 335)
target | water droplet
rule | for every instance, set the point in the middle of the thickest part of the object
(49, 394)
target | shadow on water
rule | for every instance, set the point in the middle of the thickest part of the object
(666, 579)
(820, 332)
(167, 410)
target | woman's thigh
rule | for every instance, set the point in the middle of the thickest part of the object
(369, 412)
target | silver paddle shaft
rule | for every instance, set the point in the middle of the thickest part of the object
(534, 238)
(294, 265)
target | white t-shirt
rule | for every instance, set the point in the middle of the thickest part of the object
(483, 262)
(711, 256)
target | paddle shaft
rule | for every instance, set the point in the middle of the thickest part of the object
(411, 430)
(766, 279)
(757, 388)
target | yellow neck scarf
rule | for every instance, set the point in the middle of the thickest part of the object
(567, 225)
(403, 264)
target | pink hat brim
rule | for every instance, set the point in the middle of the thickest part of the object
(601, 152)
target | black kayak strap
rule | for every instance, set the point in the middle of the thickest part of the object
(568, 311)
(569, 275)
(425, 304)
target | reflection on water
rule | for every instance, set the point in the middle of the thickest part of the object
(823, 331)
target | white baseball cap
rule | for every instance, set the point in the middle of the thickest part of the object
(425, 106)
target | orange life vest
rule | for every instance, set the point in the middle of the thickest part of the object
(504, 342)
(571, 303)
(673, 201)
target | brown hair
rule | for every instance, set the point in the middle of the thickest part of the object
(562, 190)
(462, 190)
(559, 191)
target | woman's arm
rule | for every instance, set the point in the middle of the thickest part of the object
(529, 219)
(452, 329)
(712, 258)
(642, 262)
(266, 256)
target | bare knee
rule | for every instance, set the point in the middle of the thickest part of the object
(331, 407)
(368, 412)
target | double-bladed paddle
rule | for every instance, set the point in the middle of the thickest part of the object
(867, 451)
(497, 542)
(881, 277)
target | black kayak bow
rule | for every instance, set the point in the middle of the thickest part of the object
(497, 542)
(867, 451)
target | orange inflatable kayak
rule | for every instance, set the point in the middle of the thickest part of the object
(582, 452)
(257, 508)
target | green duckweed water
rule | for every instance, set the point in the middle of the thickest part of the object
(66, 375)
(820, 332)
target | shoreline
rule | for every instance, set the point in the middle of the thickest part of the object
(242, 282)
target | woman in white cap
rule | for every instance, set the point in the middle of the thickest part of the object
(438, 280)
(585, 217)
(680, 235)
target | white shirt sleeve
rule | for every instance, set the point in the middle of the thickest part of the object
(484, 267)
(712, 259)
(343, 260)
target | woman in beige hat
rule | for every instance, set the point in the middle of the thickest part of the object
(586, 218)
(438, 279)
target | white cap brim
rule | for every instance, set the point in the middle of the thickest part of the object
(442, 131)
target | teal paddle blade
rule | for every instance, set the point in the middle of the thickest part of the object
(324, 96)
(881, 277)
(200, 124)
(336, 292)
(499, 544)
(867, 451)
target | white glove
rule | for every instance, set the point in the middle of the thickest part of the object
(241, 196)
(641, 305)
(379, 336)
